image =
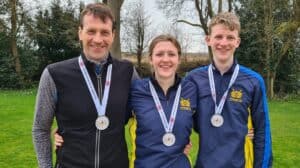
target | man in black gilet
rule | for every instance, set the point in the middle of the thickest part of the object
(88, 97)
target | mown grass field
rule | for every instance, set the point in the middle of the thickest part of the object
(16, 115)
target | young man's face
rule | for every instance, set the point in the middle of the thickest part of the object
(223, 43)
(96, 37)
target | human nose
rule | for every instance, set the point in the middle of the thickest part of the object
(223, 41)
(97, 38)
(165, 57)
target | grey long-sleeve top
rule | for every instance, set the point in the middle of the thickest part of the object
(43, 119)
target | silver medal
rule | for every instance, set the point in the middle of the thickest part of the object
(102, 122)
(169, 139)
(217, 120)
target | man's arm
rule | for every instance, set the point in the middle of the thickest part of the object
(43, 118)
(261, 123)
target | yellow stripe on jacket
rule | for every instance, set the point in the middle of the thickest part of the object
(132, 123)
(249, 156)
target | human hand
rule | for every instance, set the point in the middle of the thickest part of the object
(250, 134)
(187, 148)
(58, 140)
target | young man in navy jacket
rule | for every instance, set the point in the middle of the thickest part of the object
(231, 100)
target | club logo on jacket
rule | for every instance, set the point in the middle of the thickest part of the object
(236, 95)
(185, 104)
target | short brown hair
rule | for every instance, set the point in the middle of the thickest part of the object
(228, 19)
(99, 10)
(164, 37)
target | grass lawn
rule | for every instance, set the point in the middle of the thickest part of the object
(285, 125)
(16, 115)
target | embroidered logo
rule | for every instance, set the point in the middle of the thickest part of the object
(185, 104)
(236, 95)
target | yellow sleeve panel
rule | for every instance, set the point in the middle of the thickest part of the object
(132, 123)
(249, 155)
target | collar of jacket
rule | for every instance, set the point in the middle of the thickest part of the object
(173, 87)
(91, 66)
(230, 70)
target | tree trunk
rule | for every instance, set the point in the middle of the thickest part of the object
(229, 5)
(297, 10)
(209, 8)
(268, 8)
(139, 57)
(13, 38)
(220, 6)
(272, 80)
(115, 6)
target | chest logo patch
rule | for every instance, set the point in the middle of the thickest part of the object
(185, 104)
(236, 95)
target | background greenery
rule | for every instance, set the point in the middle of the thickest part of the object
(16, 116)
(31, 40)
(270, 45)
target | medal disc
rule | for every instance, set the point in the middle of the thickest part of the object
(217, 120)
(169, 139)
(102, 122)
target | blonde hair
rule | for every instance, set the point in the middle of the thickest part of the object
(227, 19)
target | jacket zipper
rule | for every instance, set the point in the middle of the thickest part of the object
(98, 132)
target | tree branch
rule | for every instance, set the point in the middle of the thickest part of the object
(189, 23)
(202, 20)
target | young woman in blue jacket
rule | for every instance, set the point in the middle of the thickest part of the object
(163, 106)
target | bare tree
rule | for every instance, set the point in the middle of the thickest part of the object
(136, 34)
(268, 23)
(184, 39)
(203, 9)
(116, 5)
(13, 36)
(14, 19)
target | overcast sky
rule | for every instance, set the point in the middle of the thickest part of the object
(193, 35)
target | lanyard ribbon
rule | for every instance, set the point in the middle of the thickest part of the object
(101, 108)
(219, 108)
(167, 125)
